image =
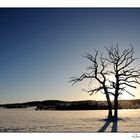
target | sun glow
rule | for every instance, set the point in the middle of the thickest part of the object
(124, 95)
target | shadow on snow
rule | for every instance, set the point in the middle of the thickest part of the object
(108, 121)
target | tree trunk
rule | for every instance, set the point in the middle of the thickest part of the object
(116, 93)
(116, 107)
(109, 106)
(110, 112)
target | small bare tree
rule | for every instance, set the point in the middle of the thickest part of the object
(125, 74)
(99, 74)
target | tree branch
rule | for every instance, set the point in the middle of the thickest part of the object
(128, 85)
(92, 91)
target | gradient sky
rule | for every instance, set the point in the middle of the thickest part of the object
(40, 49)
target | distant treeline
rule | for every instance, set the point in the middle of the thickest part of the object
(73, 105)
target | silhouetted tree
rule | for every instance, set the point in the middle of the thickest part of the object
(125, 74)
(97, 73)
(117, 63)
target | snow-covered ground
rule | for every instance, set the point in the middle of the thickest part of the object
(28, 120)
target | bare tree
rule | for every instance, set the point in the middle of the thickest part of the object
(97, 72)
(125, 74)
(117, 63)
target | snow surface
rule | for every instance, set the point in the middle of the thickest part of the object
(29, 120)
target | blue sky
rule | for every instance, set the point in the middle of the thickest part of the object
(40, 49)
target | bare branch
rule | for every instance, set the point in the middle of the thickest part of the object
(128, 85)
(103, 67)
(92, 91)
(76, 79)
(129, 93)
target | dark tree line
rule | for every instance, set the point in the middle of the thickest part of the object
(116, 63)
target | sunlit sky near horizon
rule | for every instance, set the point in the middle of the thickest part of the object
(40, 49)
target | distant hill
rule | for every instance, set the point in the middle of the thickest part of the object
(73, 105)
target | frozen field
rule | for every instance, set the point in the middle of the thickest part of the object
(28, 120)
